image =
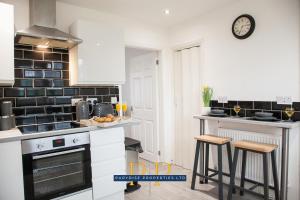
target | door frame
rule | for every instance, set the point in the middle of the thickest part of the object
(159, 100)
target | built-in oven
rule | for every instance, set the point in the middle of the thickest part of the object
(56, 166)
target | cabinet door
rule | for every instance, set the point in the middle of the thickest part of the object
(100, 57)
(6, 44)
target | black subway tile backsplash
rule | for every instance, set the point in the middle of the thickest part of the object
(41, 93)
(246, 104)
(35, 92)
(14, 92)
(36, 55)
(42, 65)
(23, 63)
(264, 105)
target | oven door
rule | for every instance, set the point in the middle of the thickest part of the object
(56, 173)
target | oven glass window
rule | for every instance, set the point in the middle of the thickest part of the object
(58, 174)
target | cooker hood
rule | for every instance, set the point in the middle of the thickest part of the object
(42, 31)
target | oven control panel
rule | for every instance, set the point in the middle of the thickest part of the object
(55, 142)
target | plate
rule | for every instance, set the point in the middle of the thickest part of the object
(263, 114)
(217, 111)
(217, 115)
(268, 119)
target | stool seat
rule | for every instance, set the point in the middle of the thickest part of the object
(213, 139)
(255, 146)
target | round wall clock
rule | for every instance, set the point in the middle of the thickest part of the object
(243, 26)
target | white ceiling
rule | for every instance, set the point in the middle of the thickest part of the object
(151, 11)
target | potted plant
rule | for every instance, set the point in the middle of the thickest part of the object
(207, 93)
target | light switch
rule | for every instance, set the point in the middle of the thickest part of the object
(114, 100)
(74, 101)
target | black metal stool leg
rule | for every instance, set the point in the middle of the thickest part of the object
(195, 165)
(206, 161)
(228, 146)
(232, 173)
(243, 172)
(275, 175)
(220, 174)
(266, 176)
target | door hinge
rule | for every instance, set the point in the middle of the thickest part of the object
(157, 62)
(158, 153)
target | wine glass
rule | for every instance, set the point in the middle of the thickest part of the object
(289, 111)
(237, 109)
(124, 108)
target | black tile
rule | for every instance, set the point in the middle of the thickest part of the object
(60, 126)
(215, 104)
(114, 90)
(25, 102)
(65, 75)
(19, 73)
(60, 83)
(14, 92)
(45, 101)
(52, 74)
(65, 57)
(71, 91)
(276, 106)
(35, 55)
(52, 56)
(25, 120)
(246, 104)
(35, 92)
(63, 100)
(296, 106)
(45, 127)
(35, 110)
(18, 53)
(26, 47)
(60, 66)
(23, 63)
(19, 111)
(59, 50)
(28, 129)
(33, 74)
(43, 83)
(63, 117)
(106, 99)
(54, 109)
(54, 92)
(42, 65)
(102, 91)
(69, 109)
(1, 92)
(45, 119)
(296, 116)
(23, 83)
(87, 91)
(264, 105)
(230, 104)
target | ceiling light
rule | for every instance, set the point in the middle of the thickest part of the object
(166, 11)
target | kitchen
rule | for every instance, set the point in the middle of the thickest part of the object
(254, 73)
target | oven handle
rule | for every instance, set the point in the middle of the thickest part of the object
(58, 153)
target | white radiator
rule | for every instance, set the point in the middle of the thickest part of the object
(254, 167)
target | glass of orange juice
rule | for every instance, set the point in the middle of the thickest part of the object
(118, 108)
(124, 108)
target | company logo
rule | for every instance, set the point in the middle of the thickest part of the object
(149, 174)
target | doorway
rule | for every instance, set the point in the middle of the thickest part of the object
(141, 95)
(187, 97)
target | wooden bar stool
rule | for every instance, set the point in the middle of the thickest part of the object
(219, 142)
(261, 148)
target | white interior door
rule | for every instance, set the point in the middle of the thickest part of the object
(144, 98)
(187, 103)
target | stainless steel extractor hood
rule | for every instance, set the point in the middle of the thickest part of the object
(42, 31)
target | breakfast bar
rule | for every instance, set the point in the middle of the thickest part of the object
(285, 136)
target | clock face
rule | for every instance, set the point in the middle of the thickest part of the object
(243, 26)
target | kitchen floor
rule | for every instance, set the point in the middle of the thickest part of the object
(180, 190)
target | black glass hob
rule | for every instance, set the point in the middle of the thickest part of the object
(49, 127)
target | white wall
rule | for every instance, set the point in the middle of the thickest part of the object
(259, 68)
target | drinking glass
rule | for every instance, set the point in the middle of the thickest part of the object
(289, 111)
(124, 108)
(237, 109)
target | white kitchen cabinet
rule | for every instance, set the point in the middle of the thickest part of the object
(6, 44)
(11, 171)
(107, 160)
(100, 58)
